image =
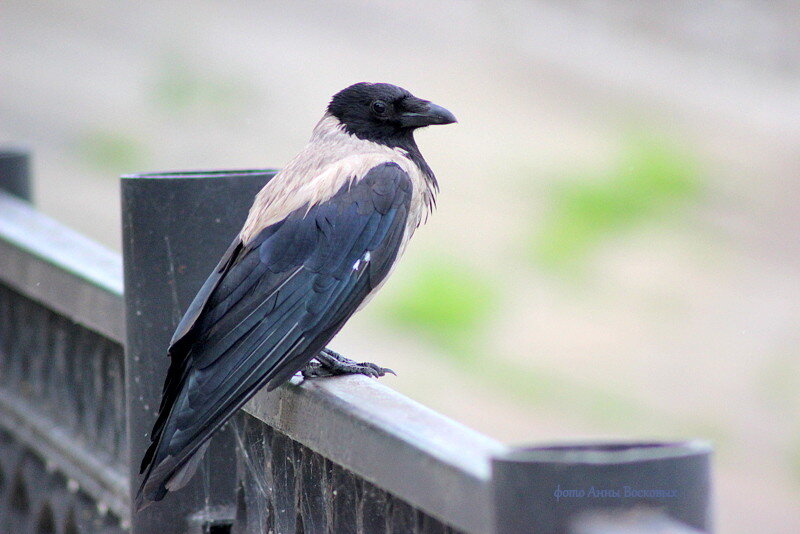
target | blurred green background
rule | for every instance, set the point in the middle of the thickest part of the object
(615, 252)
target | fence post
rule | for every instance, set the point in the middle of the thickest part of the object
(175, 227)
(15, 172)
(544, 490)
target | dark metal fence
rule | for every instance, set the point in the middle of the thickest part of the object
(332, 455)
(63, 446)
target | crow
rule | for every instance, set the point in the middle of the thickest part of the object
(320, 239)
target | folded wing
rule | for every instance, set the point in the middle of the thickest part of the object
(268, 308)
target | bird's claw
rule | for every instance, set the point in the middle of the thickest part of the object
(330, 363)
(373, 370)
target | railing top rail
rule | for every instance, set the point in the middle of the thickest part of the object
(428, 460)
(60, 268)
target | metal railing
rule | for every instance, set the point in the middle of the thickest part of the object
(63, 466)
(332, 455)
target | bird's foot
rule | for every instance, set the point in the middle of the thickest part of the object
(330, 363)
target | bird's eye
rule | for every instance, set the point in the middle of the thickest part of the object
(379, 107)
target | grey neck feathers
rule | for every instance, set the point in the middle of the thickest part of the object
(329, 128)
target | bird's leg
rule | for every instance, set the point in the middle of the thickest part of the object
(330, 363)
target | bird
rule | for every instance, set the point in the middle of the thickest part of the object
(319, 241)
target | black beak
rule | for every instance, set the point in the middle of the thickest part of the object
(428, 114)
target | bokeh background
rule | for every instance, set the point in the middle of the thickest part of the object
(616, 251)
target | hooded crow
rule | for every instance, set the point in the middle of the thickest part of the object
(319, 241)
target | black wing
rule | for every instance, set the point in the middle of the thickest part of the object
(267, 309)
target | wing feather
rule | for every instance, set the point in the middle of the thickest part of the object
(268, 308)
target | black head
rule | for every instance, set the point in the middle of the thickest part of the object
(383, 112)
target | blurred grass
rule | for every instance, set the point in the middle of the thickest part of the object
(446, 301)
(180, 87)
(592, 402)
(109, 151)
(177, 89)
(452, 305)
(651, 181)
